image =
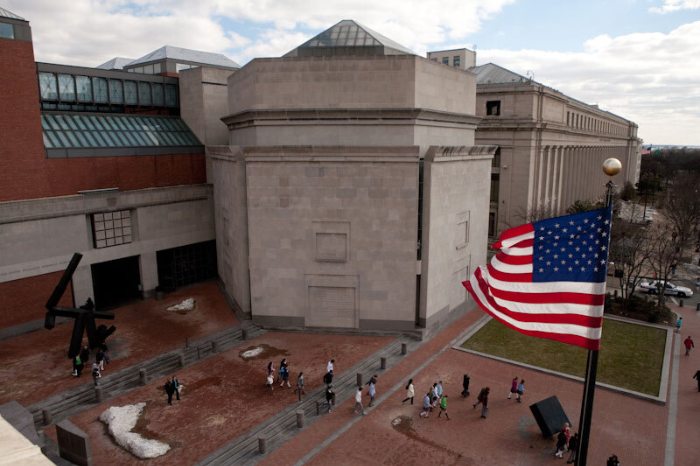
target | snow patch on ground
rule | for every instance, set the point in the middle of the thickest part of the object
(121, 419)
(252, 352)
(186, 305)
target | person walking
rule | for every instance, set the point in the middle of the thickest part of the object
(679, 322)
(443, 406)
(438, 389)
(688, 342)
(483, 398)
(613, 461)
(103, 347)
(358, 401)
(95, 373)
(372, 392)
(513, 387)
(465, 386)
(329, 397)
(270, 368)
(573, 446)
(85, 355)
(697, 376)
(269, 385)
(169, 389)
(176, 387)
(427, 405)
(285, 374)
(77, 365)
(409, 392)
(300, 384)
(521, 390)
(329, 366)
(433, 396)
(100, 358)
(283, 366)
(328, 378)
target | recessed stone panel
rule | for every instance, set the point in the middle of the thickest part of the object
(332, 306)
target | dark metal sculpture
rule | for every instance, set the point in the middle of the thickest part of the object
(84, 316)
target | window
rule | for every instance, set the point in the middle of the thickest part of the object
(84, 85)
(130, 93)
(156, 68)
(445, 60)
(462, 230)
(138, 69)
(492, 224)
(493, 107)
(144, 93)
(99, 86)
(111, 228)
(170, 95)
(434, 59)
(568, 118)
(116, 93)
(158, 96)
(496, 161)
(7, 31)
(47, 86)
(66, 87)
(456, 61)
(495, 181)
(148, 69)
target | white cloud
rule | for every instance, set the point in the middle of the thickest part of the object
(652, 79)
(675, 5)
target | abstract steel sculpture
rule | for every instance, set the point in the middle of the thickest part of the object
(84, 318)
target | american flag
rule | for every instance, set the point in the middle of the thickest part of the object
(548, 279)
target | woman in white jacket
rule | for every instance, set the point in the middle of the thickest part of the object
(409, 392)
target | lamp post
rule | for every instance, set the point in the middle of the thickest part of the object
(611, 167)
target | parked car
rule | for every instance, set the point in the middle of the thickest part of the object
(671, 289)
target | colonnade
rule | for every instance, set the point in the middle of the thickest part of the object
(564, 174)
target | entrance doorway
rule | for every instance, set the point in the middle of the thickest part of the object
(116, 282)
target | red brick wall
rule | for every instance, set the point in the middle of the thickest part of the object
(23, 300)
(26, 173)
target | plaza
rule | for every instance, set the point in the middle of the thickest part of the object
(324, 204)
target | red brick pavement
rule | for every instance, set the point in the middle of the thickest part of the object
(35, 366)
(687, 451)
(223, 396)
(633, 429)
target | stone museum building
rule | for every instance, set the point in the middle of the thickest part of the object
(349, 184)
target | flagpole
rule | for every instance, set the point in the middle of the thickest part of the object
(611, 167)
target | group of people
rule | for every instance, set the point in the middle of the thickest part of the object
(565, 442)
(83, 358)
(173, 387)
(435, 396)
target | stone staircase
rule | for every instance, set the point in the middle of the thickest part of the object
(281, 427)
(84, 397)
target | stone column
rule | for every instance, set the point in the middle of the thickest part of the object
(547, 195)
(148, 267)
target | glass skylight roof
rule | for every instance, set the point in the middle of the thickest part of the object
(96, 131)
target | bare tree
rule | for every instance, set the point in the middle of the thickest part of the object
(630, 253)
(664, 252)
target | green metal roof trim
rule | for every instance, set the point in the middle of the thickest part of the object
(84, 135)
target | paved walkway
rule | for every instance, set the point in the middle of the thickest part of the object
(687, 450)
(35, 366)
(393, 433)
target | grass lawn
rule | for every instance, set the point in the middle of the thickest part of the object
(631, 356)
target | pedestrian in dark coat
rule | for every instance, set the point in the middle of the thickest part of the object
(465, 386)
(372, 392)
(100, 358)
(483, 398)
(283, 367)
(697, 376)
(103, 347)
(329, 397)
(85, 355)
(513, 387)
(95, 373)
(300, 384)
(328, 378)
(176, 387)
(573, 446)
(169, 389)
(688, 342)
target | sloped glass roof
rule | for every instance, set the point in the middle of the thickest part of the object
(10, 15)
(97, 131)
(350, 34)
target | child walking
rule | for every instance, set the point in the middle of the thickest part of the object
(409, 392)
(443, 406)
(426, 405)
(521, 390)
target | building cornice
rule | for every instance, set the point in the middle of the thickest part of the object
(371, 154)
(250, 118)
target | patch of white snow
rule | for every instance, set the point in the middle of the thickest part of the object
(186, 305)
(121, 419)
(252, 353)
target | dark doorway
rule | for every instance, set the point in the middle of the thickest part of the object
(116, 282)
(182, 266)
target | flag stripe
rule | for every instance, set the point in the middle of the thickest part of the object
(506, 258)
(554, 308)
(520, 284)
(518, 251)
(549, 298)
(514, 269)
(510, 237)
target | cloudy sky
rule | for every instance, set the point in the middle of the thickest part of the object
(637, 58)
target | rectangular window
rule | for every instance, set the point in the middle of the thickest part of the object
(445, 60)
(158, 95)
(156, 68)
(111, 228)
(456, 61)
(99, 86)
(7, 31)
(84, 85)
(492, 224)
(47, 86)
(66, 87)
(148, 69)
(130, 96)
(493, 107)
(496, 161)
(434, 59)
(116, 93)
(170, 95)
(144, 93)
(495, 181)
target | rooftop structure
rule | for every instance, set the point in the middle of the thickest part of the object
(116, 63)
(349, 37)
(169, 59)
(8, 14)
